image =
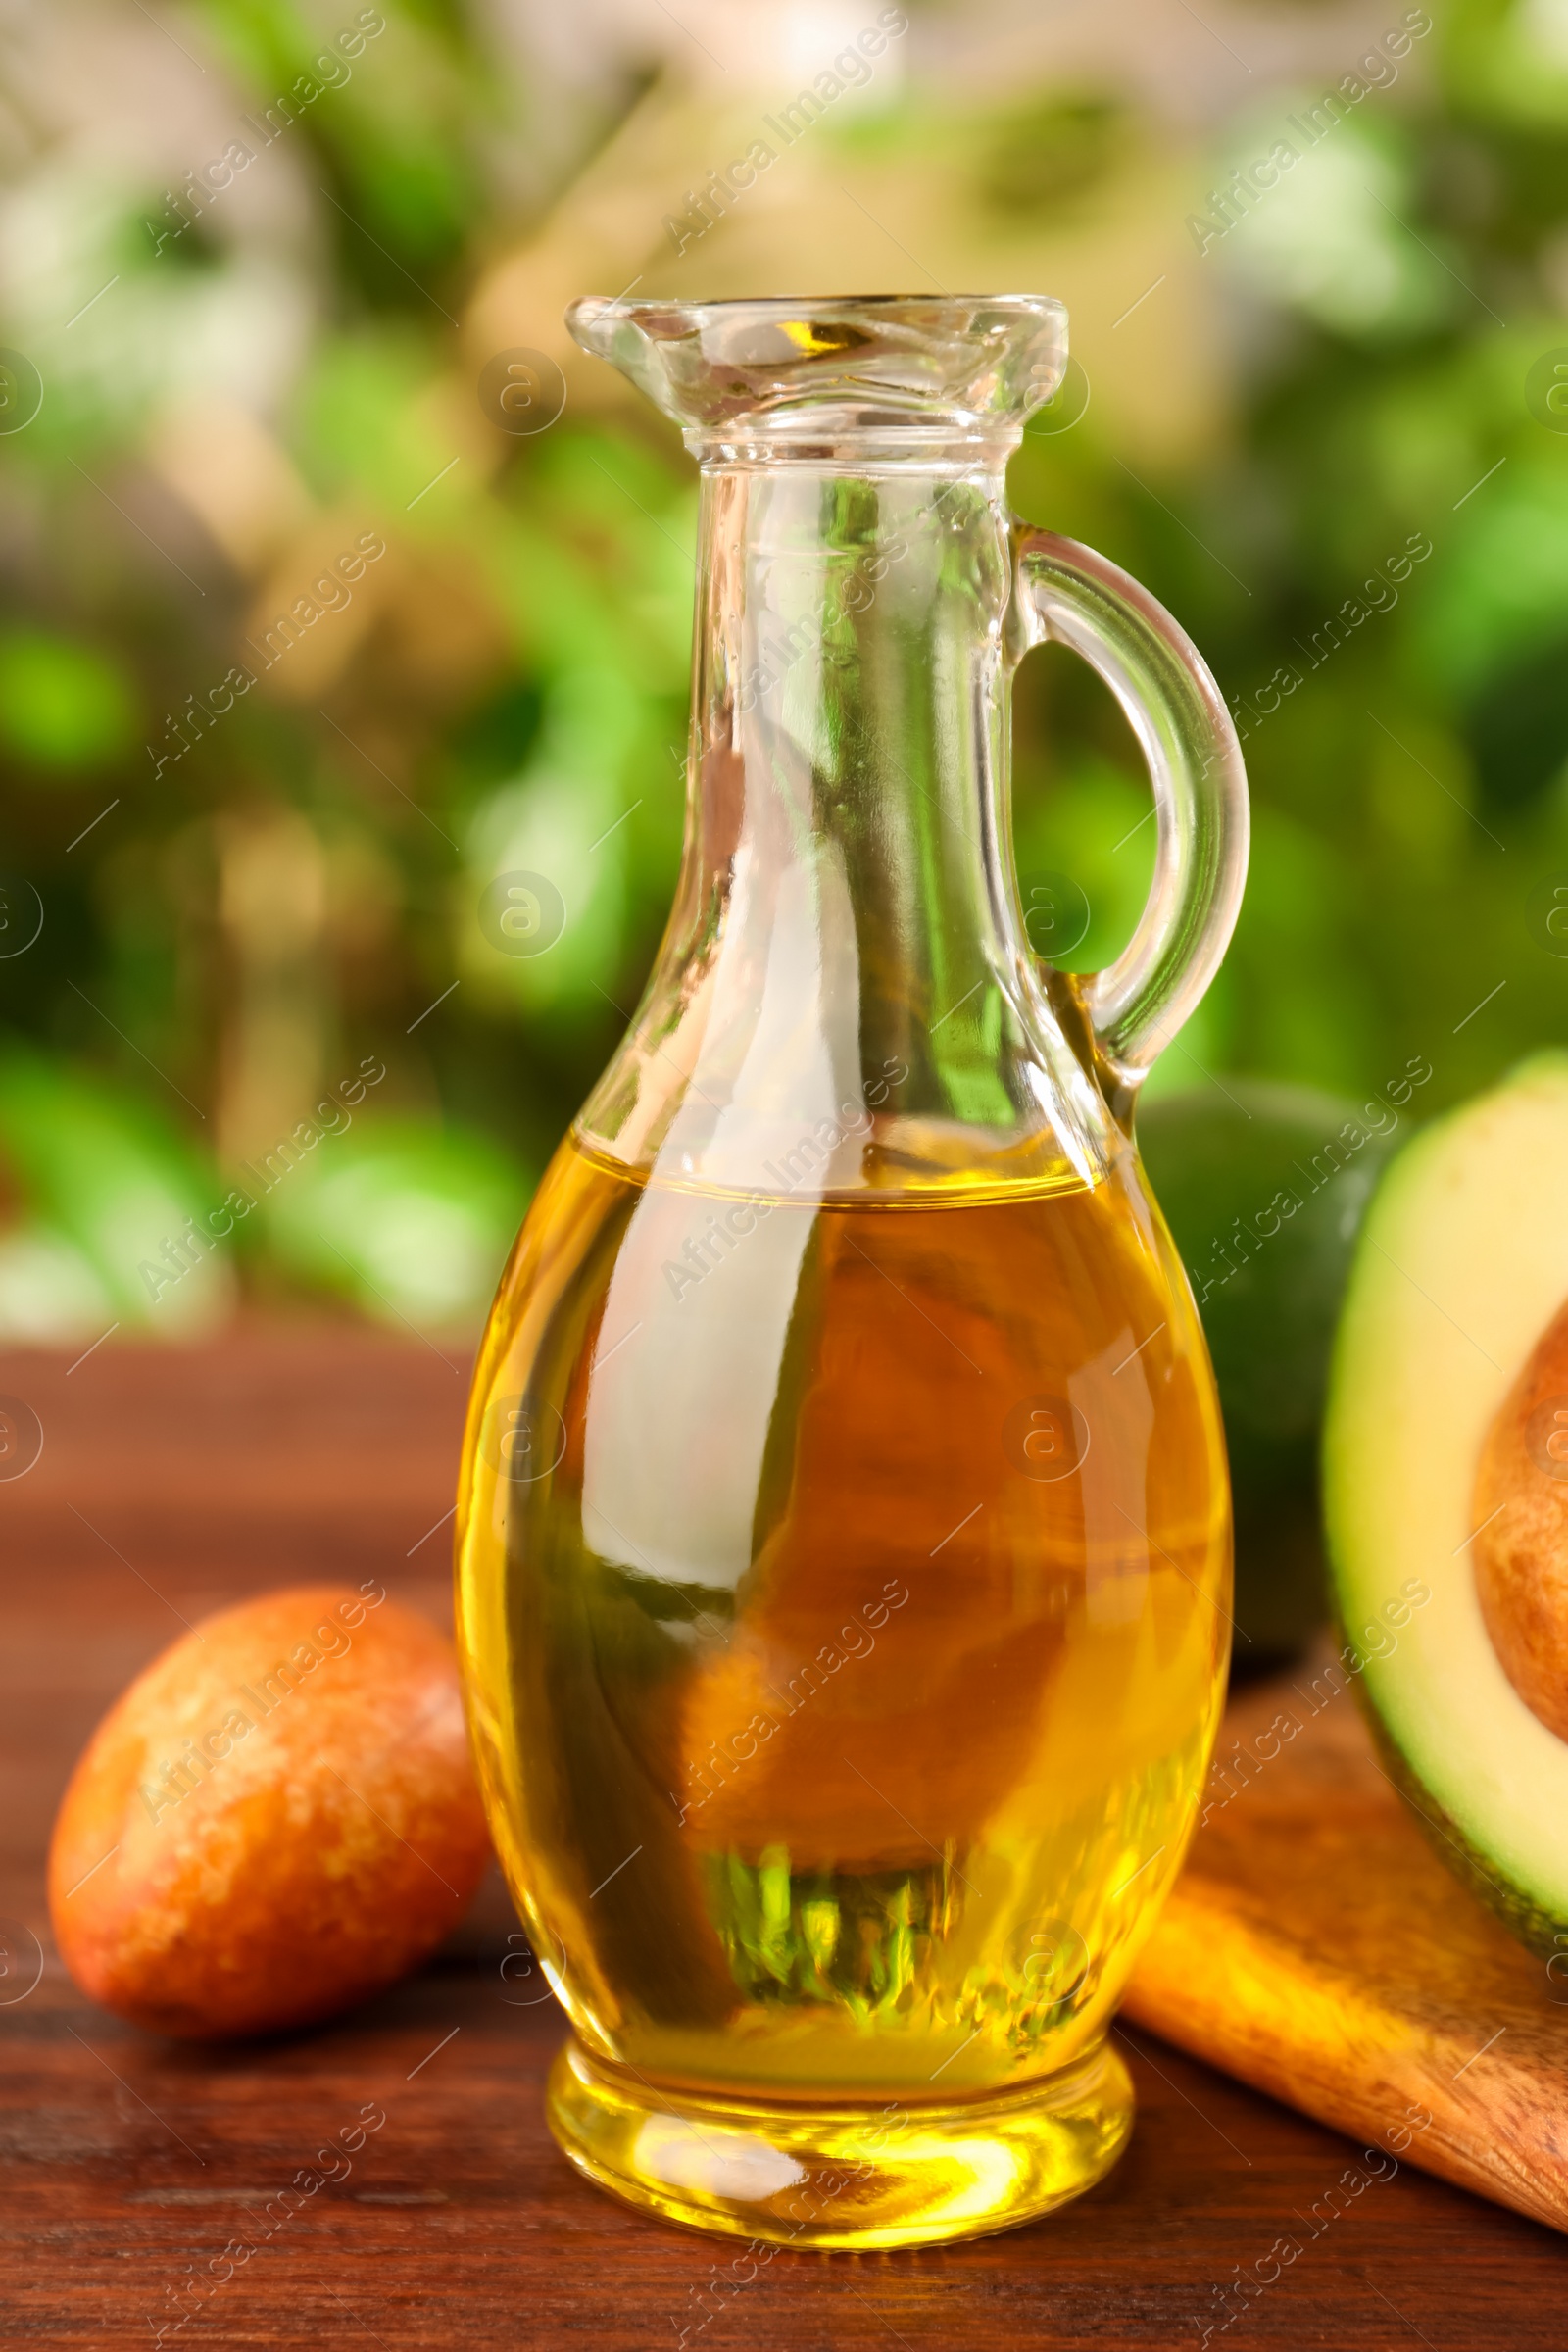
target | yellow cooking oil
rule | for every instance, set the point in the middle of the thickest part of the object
(843, 1598)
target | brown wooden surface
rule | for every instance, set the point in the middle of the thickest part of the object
(1316, 1946)
(172, 1482)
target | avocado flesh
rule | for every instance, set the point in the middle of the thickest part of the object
(1461, 1265)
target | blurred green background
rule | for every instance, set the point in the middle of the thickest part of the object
(254, 260)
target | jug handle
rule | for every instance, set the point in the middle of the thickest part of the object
(1134, 1006)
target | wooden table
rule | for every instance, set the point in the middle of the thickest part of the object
(172, 1482)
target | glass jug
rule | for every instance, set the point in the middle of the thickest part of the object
(843, 1546)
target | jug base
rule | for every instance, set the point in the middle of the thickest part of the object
(877, 2174)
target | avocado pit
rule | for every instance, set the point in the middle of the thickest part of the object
(1520, 1551)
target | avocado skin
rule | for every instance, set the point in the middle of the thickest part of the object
(1534, 1927)
(1218, 1160)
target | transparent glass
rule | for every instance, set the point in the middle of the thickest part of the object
(843, 1547)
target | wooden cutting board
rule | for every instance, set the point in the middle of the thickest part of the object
(1317, 1947)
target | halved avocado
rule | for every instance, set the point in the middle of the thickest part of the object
(1445, 1505)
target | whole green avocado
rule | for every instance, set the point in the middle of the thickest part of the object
(1264, 1188)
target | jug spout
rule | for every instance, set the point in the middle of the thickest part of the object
(969, 367)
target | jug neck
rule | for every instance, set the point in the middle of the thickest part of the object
(847, 959)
